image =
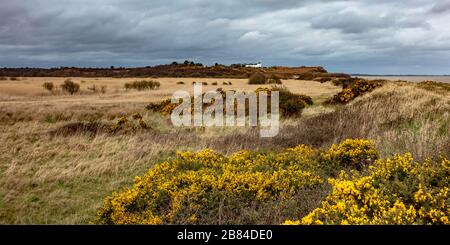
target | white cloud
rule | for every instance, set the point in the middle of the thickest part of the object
(254, 36)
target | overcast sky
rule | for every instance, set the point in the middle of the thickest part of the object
(354, 36)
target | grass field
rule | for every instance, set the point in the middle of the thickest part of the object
(53, 176)
(31, 88)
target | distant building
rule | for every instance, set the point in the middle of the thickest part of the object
(255, 65)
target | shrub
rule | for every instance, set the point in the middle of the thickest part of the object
(435, 86)
(209, 188)
(143, 85)
(395, 191)
(323, 79)
(260, 78)
(205, 83)
(214, 83)
(196, 188)
(96, 89)
(161, 107)
(70, 87)
(308, 100)
(3, 78)
(93, 88)
(341, 81)
(103, 89)
(13, 78)
(196, 74)
(126, 125)
(257, 78)
(180, 82)
(322, 76)
(311, 75)
(80, 128)
(353, 89)
(274, 79)
(48, 86)
(291, 104)
(356, 153)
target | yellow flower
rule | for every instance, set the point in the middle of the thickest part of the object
(195, 186)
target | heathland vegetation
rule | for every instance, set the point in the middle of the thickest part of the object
(290, 104)
(185, 69)
(267, 188)
(377, 156)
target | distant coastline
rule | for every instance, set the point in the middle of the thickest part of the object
(411, 78)
(396, 75)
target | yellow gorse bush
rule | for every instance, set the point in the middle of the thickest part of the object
(354, 88)
(290, 104)
(395, 191)
(192, 185)
(207, 187)
(128, 124)
(356, 153)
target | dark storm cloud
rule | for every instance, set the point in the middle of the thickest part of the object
(441, 7)
(350, 36)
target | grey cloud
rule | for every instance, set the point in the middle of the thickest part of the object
(359, 21)
(441, 7)
(355, 36)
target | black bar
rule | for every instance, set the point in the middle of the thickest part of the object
(158, 234)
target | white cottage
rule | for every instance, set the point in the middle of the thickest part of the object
(256, 65)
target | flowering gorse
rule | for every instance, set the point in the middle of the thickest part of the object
(129, 124)
(395, 191)
(356, 87)
(290, 104)
(355, 153)
(193, 185)
(207, 187)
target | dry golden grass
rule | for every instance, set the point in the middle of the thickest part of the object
(27, 100)
(30, 89)
(46, 179)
